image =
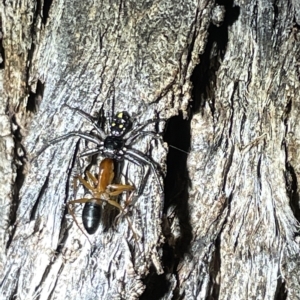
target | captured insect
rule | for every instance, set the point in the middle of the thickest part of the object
(118, 143)
(103, 192)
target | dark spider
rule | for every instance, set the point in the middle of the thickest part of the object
(117, 144)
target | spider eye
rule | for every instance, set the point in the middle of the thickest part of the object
(120, 124)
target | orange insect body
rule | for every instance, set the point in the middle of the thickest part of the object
(106, 174)
(103, 190)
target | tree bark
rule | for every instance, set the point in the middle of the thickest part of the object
(226, 75)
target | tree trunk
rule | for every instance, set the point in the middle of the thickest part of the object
(226, 76)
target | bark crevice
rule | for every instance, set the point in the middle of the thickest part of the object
(46, 8)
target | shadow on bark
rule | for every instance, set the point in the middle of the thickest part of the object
(20, 163)
(176, 198)
(214, 271)
(292, 190)
(177, 179)
(156, 285)
(34, 99)
(204, 81)
(2, 53)
(46, 8)
(281, 291)
(205, 74)
(177, 183)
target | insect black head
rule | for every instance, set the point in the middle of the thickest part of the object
(120, 124)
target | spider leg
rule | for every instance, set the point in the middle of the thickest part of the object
(85, 136)
(134, 131)
(143, 133)
(90, 152)
(139, 158)
(89, 118)
(144, 177)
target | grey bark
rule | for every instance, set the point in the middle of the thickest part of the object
(227, 225)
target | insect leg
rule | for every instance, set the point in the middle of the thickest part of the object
(71, 212)
(92, 178)
(98, 201)
(119, 189)
(86, 184)
(128, 201)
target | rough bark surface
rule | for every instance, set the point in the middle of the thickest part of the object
(227, 225)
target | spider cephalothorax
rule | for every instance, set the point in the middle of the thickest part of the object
(117, 144)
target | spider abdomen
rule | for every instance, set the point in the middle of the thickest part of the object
(91, 216)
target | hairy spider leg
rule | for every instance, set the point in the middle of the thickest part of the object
(143, 133)
(133, 133)
(144, 175)
(156, 136)
(139, 157)
(89, 118)
(91, 152)
(86, 136)
(137, 133)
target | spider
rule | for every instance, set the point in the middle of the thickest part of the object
(103, 191)
(118, 143)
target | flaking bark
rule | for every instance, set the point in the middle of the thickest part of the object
(227, 225)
